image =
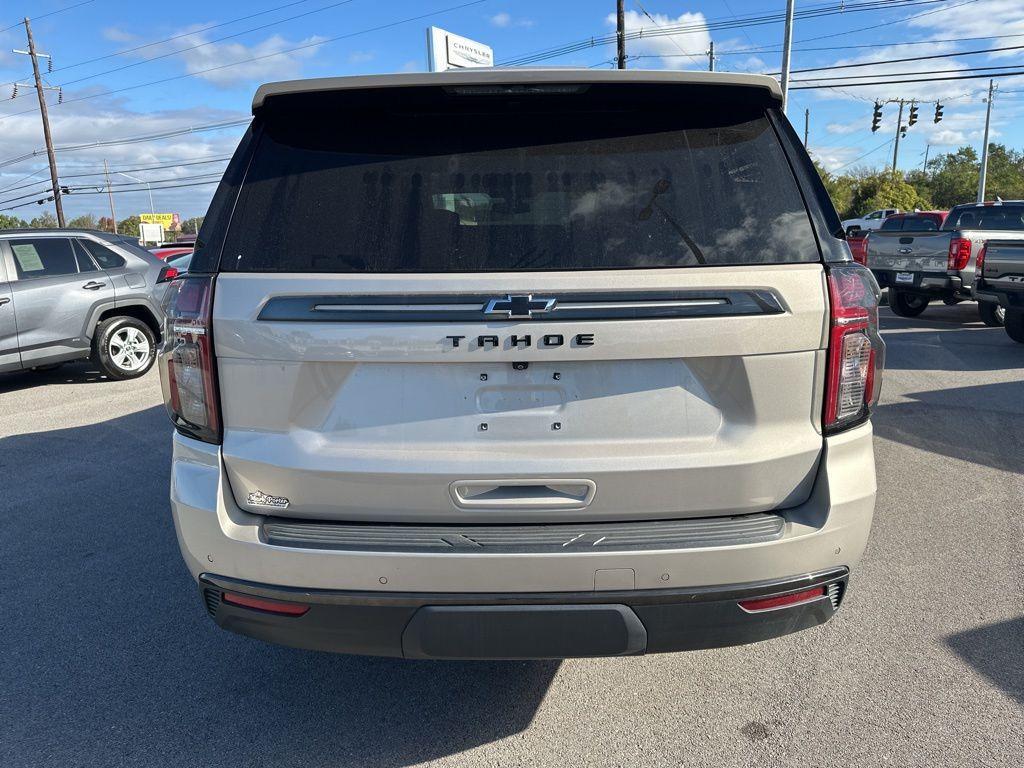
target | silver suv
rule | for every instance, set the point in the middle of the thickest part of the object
(519, 364)
(68, 294)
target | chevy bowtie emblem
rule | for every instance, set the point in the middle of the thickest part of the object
(519, 307)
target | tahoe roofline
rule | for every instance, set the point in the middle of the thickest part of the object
(516, 76)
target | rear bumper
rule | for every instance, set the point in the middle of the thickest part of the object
(1009, 299)
(522, 626)
(668, 588)
(936, 284)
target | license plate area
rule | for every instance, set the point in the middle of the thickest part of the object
(905, 278)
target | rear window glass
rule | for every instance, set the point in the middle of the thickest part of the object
(911, 224)
(992, 217)
(500, 186)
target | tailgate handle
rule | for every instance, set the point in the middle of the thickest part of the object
(523, 494)
(906, 240)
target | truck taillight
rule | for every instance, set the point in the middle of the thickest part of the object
(856, 352)
(187, 370)
(959, 253)
(979, 266)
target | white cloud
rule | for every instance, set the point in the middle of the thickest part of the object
(105, 119)
(361, 57)
(984, 18)
(119, 35)
(275, 59)
(504, 20)
(668, 50)
(841, 129)
(412, 66)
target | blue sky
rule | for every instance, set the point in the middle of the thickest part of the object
(111, 91)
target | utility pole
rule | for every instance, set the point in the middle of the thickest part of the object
(110, 195)
(924, 167)
(899, 129)
(807, 125)
(46, 123)
(620, 36)
(786, 45)
(711, 56)
(984, 149)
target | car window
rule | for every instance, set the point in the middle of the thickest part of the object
(643, 189)
(85, 263)
(989, 217)
(105, 257)
(874, 215)
(920, 224)
(43, 257)
(891, 224)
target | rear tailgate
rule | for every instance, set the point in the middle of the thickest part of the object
(550, 317)
(917, 252)
(702, 413)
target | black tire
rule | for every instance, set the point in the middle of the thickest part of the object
(1014, 325)
(907, 304)
(991, 314)
(117, 341)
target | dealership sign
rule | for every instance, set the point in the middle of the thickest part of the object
(448, 51)
(166, 220)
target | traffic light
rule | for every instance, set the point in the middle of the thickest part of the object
(876, 118)
(913, 114)
(938, 111)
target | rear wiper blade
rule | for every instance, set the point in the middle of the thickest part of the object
(659, 189)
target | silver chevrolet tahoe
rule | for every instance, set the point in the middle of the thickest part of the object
(521, 364)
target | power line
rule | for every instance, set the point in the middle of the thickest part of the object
(735, 23)
(51, 13)
(861, 157)
(206, 43)
(912, 58)
(1014, 73)
(306, 46)
(103, 191)
(131, 139)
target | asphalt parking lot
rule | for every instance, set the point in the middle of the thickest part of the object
(109, 659)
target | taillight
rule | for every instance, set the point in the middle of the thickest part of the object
(859, 249)
(979, 267)
(167, 274)
(187, 370)
(856, 353)
(959, 253)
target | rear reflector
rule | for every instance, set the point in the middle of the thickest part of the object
(270, 606)
(781, 601)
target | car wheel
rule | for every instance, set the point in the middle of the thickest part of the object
(907, 304)
(991, 314)
(124, 348)
(1015, 324)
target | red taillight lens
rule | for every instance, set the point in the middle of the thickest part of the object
(270, 606)
(782, 601)
(167, 274)
(855, 352)
(187, 370)
(959, 253)
(979, 267)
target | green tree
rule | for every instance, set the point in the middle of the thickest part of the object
(192, 226)
(892, 191)
(105, 224)
(46, 221)
(11, 222)
(954, 176)
(86, 221)
(129, 226)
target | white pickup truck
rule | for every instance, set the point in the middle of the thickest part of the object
(872, 221)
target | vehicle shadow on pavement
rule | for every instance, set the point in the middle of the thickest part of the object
(108, 657)
(942, 347)
(989, 432)
(69, 373)
(995, 650)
